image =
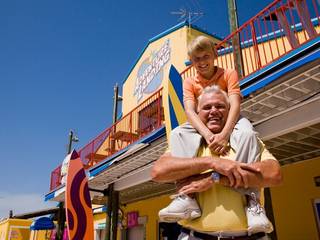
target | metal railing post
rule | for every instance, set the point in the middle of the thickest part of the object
(159, 110)
(255, 45)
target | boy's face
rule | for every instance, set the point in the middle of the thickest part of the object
(203, 61)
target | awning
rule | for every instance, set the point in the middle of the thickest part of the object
(43, 223)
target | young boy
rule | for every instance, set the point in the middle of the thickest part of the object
(237, 130)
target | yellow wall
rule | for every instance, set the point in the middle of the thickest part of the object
(4, 229)
(292, 202)
(193, 33)
(18, 229)
(178, 41)
(99, 218)
(40, 235)
(150, 208)
(178, 54)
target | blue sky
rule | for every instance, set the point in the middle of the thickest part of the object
(59, 61)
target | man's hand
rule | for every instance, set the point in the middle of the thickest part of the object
(218, 143)
(237, 173)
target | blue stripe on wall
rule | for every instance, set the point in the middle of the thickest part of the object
(176, 80)
(173, 118)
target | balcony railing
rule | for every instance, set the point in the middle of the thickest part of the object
(142, 120)
(275, 31)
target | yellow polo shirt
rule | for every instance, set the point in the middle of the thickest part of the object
(223, 209)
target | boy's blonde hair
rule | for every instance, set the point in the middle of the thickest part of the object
(201, 43)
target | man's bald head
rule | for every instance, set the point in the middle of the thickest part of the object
(214, 89)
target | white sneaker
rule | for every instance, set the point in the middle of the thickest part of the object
(182, 207)
(257, 218)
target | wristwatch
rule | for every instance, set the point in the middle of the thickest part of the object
(215, 177)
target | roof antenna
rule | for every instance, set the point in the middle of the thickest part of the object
(189, 14)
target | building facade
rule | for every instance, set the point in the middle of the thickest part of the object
(279, 50)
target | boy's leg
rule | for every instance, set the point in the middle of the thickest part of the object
(248, 148)
(244, 141)
(256, 217)
(184, 141)
(184, 236)
(182, 206)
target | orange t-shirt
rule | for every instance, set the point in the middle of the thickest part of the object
(226, 79)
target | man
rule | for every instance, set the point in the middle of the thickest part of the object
(212, 178)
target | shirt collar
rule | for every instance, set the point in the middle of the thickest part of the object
(200, 79)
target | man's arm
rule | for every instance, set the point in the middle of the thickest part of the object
(269, 176)
(169, 169)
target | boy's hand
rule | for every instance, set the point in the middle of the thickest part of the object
(219, 144)
(197, 183)
(209, 138)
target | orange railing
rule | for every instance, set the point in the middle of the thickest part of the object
(275, 31)
(278, 29)
(142, 120)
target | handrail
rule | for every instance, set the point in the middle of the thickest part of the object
(145, 118)
(278, 29)
(275, 31)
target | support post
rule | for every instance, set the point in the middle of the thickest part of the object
(233, 21)
(269, 212)
(114, 219)
(116, 99)
(109, 212)
(115, 103)
(61, 221)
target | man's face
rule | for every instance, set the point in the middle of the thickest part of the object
(203, 61)
(213, 111)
